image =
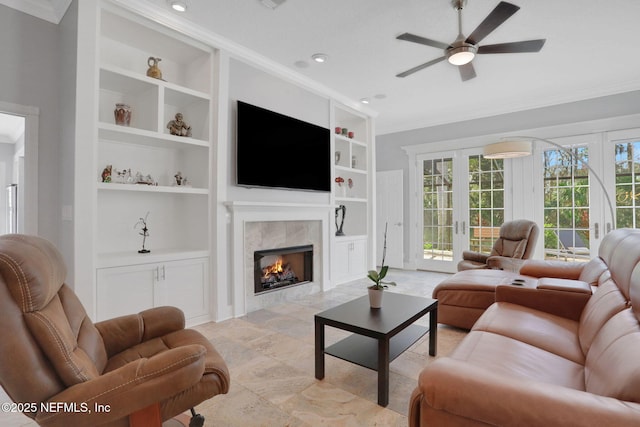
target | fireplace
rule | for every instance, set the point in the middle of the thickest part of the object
(282, 267)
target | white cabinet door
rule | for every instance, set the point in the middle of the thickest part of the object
(358, 259)
(124, 290)
(184, 284)
(341, 262)
(131, 289)
(350, 261)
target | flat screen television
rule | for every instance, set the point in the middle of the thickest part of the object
(277, 151)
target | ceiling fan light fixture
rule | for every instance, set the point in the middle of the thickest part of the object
(508, 149)
(461, 55)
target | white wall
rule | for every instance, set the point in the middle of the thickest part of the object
(68, 33)
(30, 76)
(265, 90)
(594, 115)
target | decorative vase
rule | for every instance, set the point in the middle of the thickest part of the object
(153, 70)
(122, 114)
(375, 297)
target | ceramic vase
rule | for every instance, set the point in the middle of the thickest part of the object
(375, 297)
(122, 114)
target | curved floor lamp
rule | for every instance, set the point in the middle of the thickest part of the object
(520, 146)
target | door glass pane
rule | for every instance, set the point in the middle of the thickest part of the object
(486, 202)
(628, 185)
(438, 209)
(566, 204)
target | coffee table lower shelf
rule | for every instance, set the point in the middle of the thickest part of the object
(363, 350)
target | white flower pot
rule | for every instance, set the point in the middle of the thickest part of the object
(375, 297)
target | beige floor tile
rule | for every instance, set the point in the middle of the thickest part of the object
(270, 354)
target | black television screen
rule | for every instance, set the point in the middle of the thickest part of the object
(274, 150)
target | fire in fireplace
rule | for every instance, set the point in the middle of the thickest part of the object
(277, 268)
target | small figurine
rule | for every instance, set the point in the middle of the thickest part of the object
(178, 126)
(178, 178)
(144, 234)
(106, 174)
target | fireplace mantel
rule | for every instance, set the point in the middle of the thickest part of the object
(243, 212)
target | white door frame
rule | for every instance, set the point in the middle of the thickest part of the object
(31, 115)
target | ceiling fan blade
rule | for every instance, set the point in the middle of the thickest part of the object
(420, 67)
(515, 47)
(467, 72)
(501, 13)
(422, 40)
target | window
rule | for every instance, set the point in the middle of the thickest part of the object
(566, 204)
(627, 184)
(438, 209)
(486, 202)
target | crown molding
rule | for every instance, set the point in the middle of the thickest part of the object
(169, 19)
(47, 10)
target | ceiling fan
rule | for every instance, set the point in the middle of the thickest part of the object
(462, 51)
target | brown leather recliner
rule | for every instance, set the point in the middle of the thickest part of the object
(67, 371)
(515, 243)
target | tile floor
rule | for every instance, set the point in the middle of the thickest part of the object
(270, 354)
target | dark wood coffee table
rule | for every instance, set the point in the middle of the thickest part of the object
(379, 335)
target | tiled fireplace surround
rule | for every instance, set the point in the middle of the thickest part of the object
(260, 226)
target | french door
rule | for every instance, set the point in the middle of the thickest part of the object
(463, 206)
(574, 207)
(623, 148)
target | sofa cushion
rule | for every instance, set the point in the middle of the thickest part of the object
(503, 355)
(595, 272)
(548, 332)
(623, 259)
(602, 306)
(612, 366)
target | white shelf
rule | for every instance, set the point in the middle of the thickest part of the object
(119, 259)
(350, 170)
(112, 186)
(129, 135)
(351, 237)
(351, 199)
(351, 140)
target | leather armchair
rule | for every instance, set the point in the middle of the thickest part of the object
(72, 372)
(515, 243)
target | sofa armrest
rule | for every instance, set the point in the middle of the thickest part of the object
(128, 389)
(561, 297)
(558, 269)
(498, 262)
(124, 332)
(472, 393)
(475, 256)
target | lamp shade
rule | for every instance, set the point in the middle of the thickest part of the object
(507, 149)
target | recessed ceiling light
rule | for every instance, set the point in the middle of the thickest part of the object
(365, 100)
(319, 57)
(178, 6)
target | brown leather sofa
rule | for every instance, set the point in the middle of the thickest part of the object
(516, 242)
(533, 362)
(463, 297)
(64, 370)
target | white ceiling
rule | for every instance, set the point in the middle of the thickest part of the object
(590, 51)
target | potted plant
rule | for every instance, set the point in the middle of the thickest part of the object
(375, 290)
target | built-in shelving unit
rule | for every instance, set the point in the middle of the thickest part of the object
(353, 167)
(179, 212)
